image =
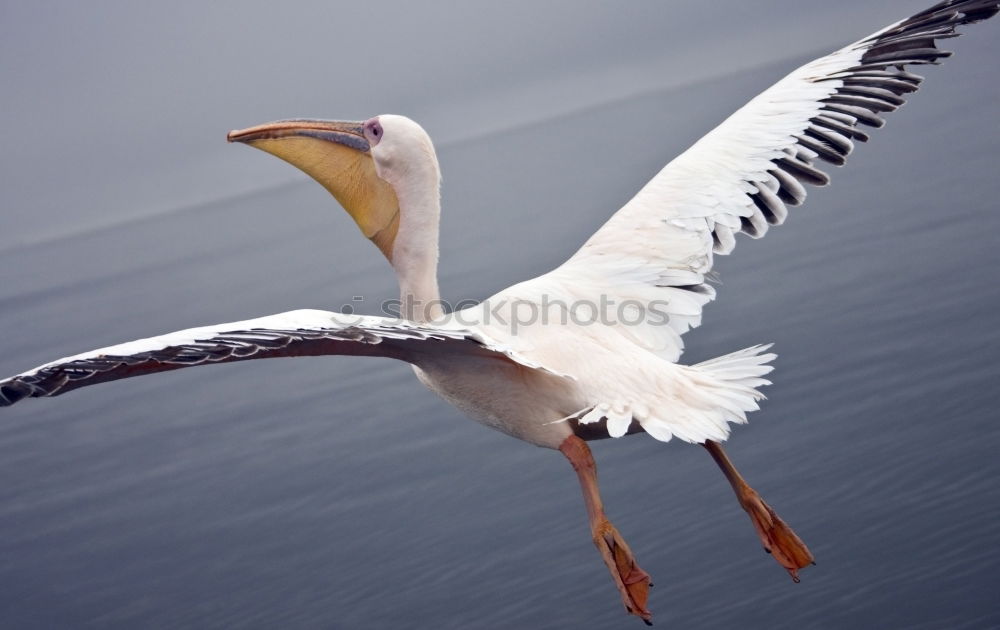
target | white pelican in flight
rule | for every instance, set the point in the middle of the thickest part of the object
(540, 361)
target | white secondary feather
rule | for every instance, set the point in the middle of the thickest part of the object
(663, 238)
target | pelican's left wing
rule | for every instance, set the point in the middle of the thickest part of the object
(655, 252)
(292, 334)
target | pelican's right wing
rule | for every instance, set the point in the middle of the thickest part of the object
(293, 334)
(656, 252)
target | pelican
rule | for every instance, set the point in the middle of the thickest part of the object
(591, 349)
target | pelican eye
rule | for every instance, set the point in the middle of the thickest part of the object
(373, 131)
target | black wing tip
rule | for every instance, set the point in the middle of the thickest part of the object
(912, 41)
(942, 14)
(972, 10)
(13, 391)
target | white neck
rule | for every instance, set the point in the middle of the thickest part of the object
(415, 251)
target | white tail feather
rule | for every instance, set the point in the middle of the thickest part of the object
(736, 378)
(697, 403)
(722, 391)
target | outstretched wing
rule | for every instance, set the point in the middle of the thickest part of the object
(292, 334)
(742, 176)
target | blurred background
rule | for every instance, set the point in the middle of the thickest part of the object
(336, 492)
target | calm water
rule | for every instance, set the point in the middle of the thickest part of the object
(337, 493)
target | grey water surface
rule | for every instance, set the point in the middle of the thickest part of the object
(336, 492)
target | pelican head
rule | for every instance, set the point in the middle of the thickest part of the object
(373, 168)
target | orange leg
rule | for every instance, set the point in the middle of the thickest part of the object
(632, 582)
(778, 538)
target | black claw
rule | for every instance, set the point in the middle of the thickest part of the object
(814, 563)
(647, 622)
(766, 550)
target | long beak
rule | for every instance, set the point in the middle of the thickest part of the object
(337, 155)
